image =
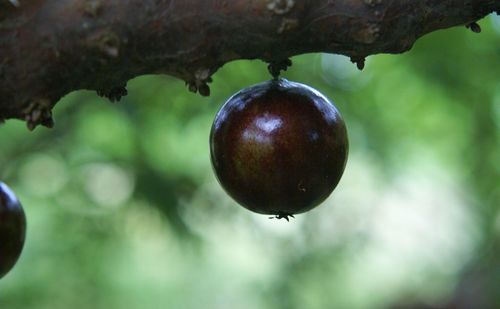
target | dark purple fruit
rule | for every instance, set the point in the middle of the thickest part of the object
(12, 229)
(278, 148)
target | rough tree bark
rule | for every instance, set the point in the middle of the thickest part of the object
(51, 47)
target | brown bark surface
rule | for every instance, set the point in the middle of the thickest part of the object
(51, 47)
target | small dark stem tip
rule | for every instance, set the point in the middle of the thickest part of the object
(275, 67)
(474, 27)
(282, 216)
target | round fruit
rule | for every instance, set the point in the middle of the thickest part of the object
(278, 148)
(12, 229)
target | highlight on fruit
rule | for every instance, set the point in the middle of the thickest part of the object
(278, 148)
(12, 229)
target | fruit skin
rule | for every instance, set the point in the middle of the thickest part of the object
(278, 148)
(12, 229)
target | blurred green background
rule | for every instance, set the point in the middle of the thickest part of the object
(124, 210)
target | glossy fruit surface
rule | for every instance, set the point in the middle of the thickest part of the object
(12, 229)
(278, 147)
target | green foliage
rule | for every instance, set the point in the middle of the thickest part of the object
(124, 211)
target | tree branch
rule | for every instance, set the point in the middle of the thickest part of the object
(51, 47)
